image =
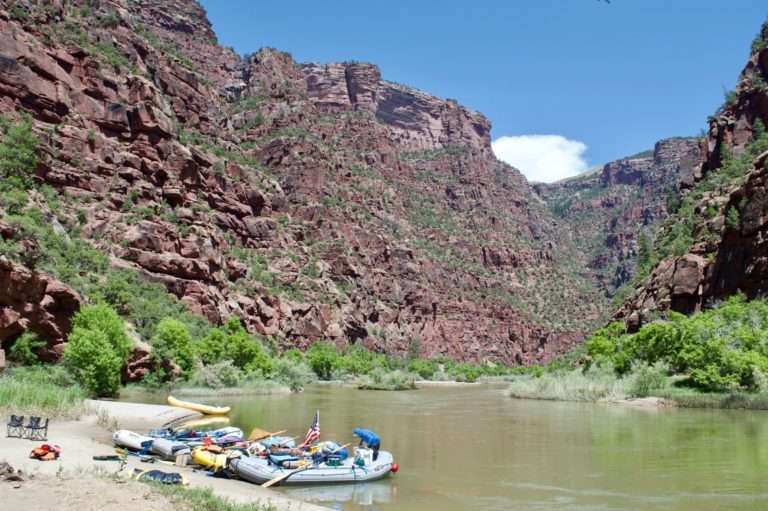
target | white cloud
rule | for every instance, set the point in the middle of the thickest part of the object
(542, 158)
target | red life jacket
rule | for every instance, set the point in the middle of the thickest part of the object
(45, 452)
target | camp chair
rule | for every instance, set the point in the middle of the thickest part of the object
(35, 431)
(15, 427)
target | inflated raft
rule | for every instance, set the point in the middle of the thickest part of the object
(209, 459)
(209, 421)
(187, 434)
(205, 409)
(168, 449)
(131, 440)
(261, 470)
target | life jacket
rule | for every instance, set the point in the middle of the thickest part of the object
(46, 452)
(215, 449)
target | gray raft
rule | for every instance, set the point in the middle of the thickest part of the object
(260, 470)
(168, 449)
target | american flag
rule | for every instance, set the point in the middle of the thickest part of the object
(314, 431)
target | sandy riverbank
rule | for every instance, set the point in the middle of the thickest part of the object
(73, 477)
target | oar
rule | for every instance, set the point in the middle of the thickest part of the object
(143, 457)
(286, 475)
(340, 448)
(260, 434)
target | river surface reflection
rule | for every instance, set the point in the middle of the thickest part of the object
(473, 448)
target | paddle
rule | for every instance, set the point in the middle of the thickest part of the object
(286, 475)
(260, 434)
(143, 457)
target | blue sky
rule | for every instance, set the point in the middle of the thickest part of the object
(601, 80)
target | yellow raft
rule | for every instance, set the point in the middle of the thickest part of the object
(211, 421)
(208, 459)
(206, 409)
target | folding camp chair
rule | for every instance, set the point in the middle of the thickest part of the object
(35, 431)
(15, 427)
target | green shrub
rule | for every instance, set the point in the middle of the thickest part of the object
(145, 303)
(173, 342)
(294, 373)
(95, 360)
(468, 373)
(648, 380)
(597, 384)
(381, 379)
(18, 154)
(98, 348)
(294, 354)
(733, 219)
(356, 360)
(219, 375)
(719, 349)
(14, 200)
(761, 39)
(18, 12)
(233, 342)
(23, 349)
(323, 359)
(424, 368)
(110, 20)
(103, 318)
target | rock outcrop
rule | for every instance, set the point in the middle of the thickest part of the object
(417, 121)
(34, 301)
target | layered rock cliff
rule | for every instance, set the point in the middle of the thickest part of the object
(314, 202)
(714, 246)
(605, 211)
(415, 120)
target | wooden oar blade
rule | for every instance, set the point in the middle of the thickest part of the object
(284, 475)
(260, 434)
(257, 433)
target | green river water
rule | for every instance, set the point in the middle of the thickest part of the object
(462, 448)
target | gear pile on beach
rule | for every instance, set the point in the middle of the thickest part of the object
(264, 458)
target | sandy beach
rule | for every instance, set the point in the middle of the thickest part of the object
(75, 477)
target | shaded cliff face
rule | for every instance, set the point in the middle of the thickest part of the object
(314, 202)
(605, 211)
(722, 218)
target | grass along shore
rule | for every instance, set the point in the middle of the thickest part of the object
(32, 391)
(203, 499)
(599, 385)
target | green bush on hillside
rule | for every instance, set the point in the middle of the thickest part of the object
(23, 349)
(424, 368)
(18, 154)
(145, 303)
(323, 359)
(232, 342)
(97, 350)
(104, 318)
(95, 361)
(356, 360)
(719, 349)
(173, 342)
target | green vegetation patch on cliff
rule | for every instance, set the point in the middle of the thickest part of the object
(725, 348)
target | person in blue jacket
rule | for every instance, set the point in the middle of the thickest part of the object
(369, 439)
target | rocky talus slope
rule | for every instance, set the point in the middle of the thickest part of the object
(723, 217)
(314, 202)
